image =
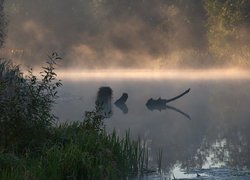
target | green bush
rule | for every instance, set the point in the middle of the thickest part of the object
(25, 105)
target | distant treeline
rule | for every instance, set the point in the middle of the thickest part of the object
(215, 27)
(193, 32)
(2, 23)
(228, 23)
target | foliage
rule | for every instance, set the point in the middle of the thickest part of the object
(2, 23)
(225, 21)
(26, 105)
(76, 151)
(94, 120)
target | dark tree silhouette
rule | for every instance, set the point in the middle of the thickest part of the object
(2, 23)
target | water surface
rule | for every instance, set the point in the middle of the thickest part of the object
(213, 144)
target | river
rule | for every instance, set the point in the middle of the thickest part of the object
(204, 134)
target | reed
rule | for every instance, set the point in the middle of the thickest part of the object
(159, 160)
(73, 152)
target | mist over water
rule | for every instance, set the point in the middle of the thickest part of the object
(147, 49)
(215, 136)
(155, 74)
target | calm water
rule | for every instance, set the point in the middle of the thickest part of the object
(214, 142)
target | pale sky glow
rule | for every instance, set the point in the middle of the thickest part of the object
(212, 74)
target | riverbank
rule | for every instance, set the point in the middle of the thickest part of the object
(77, 151)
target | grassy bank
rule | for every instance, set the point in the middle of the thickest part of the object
(75, 152)
(33, 147)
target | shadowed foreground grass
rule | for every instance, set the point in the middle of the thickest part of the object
(78, 151)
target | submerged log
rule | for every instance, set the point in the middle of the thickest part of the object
(161, 104)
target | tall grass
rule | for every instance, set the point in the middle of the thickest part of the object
(73, 152)
(159, 160)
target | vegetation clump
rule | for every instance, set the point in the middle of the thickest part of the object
(26, 105)
(32, 146)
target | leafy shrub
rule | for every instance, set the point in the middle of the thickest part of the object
(25, 105)
(3, 23)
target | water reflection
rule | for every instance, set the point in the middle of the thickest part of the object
(120, 103)
(223, 152)
(218, 144)
(179, 111)
(161, 104)
(158, 105)
(104, 102)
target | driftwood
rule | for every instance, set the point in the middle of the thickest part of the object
(179, 96)
(161, 104)
(104, 101)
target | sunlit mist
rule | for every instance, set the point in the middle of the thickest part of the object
(146, 74)
(131, 89)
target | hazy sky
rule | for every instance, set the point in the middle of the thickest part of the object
(103, 33)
